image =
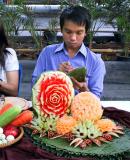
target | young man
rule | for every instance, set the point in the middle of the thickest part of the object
(72, 53)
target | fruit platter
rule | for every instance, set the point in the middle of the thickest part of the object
(73, 126)
(12, 117)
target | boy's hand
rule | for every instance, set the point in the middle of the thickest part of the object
(65, 67)
(81, 86)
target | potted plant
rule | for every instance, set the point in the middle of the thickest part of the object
(17, 17)
(119, 17)
(50, 34)
(98, 13)
(123, 24)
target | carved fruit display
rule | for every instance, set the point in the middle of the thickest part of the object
(83, 126)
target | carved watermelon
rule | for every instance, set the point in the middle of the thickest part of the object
(52, 93)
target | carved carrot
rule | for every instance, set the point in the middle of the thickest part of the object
(23, 118)
(5, 108)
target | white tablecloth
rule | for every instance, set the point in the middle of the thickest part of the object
(123, 105)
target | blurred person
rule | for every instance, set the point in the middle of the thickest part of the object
(75, 22)
(9, 66)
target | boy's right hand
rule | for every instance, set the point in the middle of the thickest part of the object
(80, 86)
(65, 67)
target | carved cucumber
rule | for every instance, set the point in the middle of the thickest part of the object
(9, 115)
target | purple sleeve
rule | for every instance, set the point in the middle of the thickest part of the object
(95, 82)
(39, 68)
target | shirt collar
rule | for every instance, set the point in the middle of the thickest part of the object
(60, 48)
(82, 49)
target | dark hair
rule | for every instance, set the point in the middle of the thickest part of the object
(3, 44)
(76, 14)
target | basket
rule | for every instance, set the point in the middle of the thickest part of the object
(14, 141)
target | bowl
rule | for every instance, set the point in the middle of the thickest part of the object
(13, 141)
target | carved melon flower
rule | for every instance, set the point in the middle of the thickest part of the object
(53, 93)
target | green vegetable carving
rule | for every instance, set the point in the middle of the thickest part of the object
(79, 74)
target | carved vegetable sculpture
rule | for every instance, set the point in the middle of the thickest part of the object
(53, 96)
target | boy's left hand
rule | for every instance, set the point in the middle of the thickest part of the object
(81, 86)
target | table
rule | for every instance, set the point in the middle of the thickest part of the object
(26, 150)
(123, 105)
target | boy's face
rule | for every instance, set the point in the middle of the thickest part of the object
(73, 34)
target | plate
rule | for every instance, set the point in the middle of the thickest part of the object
(15, 140)
(17, 101)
